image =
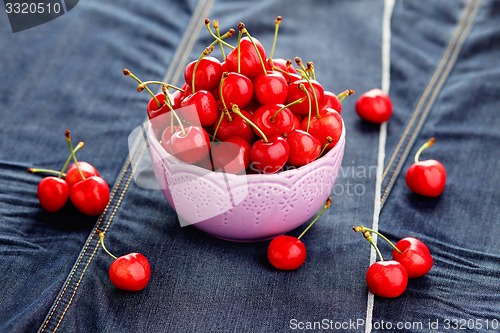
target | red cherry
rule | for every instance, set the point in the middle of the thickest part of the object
(90, 196)
(166, 136)
(304, 148)
(286, 252)
(231, 156)
(73, 175)
(284, 65)
(205, 107)
(271, 122)
(158, 115)
(331, 100)
(374, 106)
(427, 177)
(236, 126)
(295, 93)
(190, 146)
(250, 63)
(236, 89)
(327, 127)
(387, 278)
(130, 272)
(271, 156)
(208, 73)
(270, 88)
(415, 257)
(52, 193)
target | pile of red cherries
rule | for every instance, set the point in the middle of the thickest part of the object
(246, 113)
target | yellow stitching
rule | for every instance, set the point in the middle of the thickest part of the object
(466, 23)
(107, 225)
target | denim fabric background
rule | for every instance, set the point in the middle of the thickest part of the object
(67, 74)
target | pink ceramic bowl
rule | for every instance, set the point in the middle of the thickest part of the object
(250, 207)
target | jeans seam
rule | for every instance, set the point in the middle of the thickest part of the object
(428, 97)
(182, 54)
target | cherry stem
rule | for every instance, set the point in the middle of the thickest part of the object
(49, 171)
(306, 77)
(276, 28)
(344, 94)
(61, 173)
(70, 145)
(218, 125)
(328, 141)
(236, 110)
(255, 47)
(221, 83)
(218, 39)
(310, 69)
(369, 238)
(426, 145)
(77, 148)
(101, 240)
(363, 229)
(127, 72)
(303, 88)
(164, 88)
(144, 84)
(240, 33)
(205, 52)
(217, 31)
(325, 207)
(300, 100)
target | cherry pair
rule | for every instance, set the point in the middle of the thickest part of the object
(286, 252)
(81, 184)
(411, 258)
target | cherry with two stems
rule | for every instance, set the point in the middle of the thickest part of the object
(427, 178)
(130, 272)
(411, 252)
(286, 252)
(385, 278)
(374, 106)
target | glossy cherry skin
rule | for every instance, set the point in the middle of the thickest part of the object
(166, 136)
(90, 196)
(387, 278)
(250, 64)
(295, 93)
(426, 178)
(237, 126)
(286, 252)
(191, 146)
(270, 88)
(271, 156)
(304, 148)
(374, 106)
(130, 272)
(208, 73)
(237, 89)
(330, 100)
(282, 64)
(269, 123)
(159, 117)
(52, 193)
(231, 156)
(328, 126)
(204, 105)
(73, 176)
(415, 256)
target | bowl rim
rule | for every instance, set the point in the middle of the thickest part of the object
(155, 143)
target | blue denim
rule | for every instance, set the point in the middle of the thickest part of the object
(67, 74)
